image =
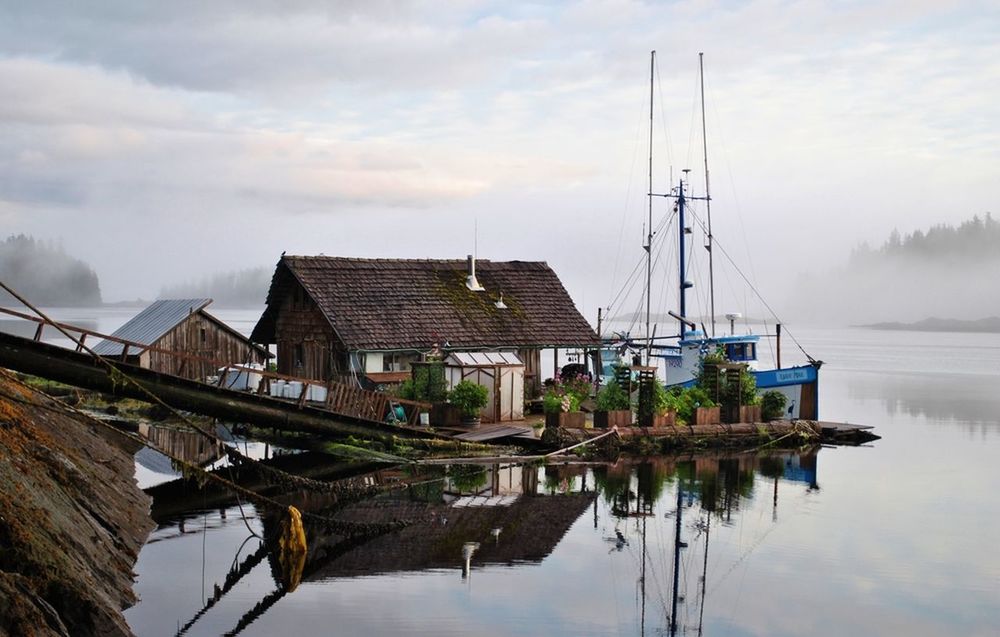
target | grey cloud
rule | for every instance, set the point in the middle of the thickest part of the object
(271, 47)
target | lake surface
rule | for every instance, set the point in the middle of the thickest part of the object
(895, 538)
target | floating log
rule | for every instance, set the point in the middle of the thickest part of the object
(82, 370)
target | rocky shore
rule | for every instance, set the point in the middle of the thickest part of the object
(72, 519)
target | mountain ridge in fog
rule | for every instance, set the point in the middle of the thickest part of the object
(946, 271)
(245, 288)
(44, 274)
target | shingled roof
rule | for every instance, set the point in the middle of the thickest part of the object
(390, 304)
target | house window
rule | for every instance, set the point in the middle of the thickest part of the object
(299, 356)
(204, 335)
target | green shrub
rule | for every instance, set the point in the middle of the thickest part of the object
(772, 404)
(685, 400)
(468, 397)
(613, 397)
(748, 389)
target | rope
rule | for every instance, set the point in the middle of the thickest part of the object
(192, 471)
(119, 378)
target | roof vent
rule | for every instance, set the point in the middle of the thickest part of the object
(500, 304)
(470, 281)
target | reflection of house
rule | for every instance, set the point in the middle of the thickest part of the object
(333, 316)
(496, 507)
(529, 530)
(182, 326)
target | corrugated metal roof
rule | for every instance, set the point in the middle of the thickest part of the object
(483, 359)
(149, 325)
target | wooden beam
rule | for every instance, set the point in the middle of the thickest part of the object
(80, 370)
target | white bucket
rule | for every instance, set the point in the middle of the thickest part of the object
(425, 419)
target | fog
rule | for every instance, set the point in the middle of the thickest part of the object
(165, 146)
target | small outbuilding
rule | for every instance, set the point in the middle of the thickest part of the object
(501, 373)
(182, 326)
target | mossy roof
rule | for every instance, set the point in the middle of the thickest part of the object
(398, 304)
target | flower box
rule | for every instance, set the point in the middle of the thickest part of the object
(565, 419)
(614, 418)
(707, 416)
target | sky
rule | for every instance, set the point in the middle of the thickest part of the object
(163, 142)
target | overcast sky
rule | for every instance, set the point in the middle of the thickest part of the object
(168, 141)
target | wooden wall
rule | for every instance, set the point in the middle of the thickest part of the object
(200, 335)
(307, 347)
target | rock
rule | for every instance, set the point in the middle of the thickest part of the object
(71, 519)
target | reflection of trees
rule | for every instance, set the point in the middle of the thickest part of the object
(969, 400)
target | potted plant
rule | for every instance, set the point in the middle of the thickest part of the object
(470, 398)
(772, 405)
(562, 409)
(614, 409)
(750, 401)
(655, 406)
(694, 406)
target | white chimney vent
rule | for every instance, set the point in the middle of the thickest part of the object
(470, 281)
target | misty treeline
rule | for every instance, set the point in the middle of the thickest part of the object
(977, 239)
(44, 274)
(240, 288)
(945, 272)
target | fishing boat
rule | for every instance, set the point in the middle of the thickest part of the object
(679, 356)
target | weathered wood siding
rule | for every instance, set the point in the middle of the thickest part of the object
(532, 371)
(307, 346)
(200, 335)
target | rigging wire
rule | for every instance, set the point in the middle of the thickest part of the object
(760, 298)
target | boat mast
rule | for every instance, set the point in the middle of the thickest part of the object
(681, 231)
(708, 196)
(649, 197)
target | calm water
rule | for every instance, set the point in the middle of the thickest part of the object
(897, 538)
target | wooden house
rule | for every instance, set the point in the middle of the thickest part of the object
(182, 326)
(337, 318)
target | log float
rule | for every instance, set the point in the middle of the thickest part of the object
(81, 370)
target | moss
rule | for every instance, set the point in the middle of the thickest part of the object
(468, 303)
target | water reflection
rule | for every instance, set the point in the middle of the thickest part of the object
(464, 523)
(707, 488)
(970, 400)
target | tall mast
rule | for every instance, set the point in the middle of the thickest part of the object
(681, 231)
(708, 196)
(649, 197)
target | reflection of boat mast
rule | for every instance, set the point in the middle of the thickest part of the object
(677, 560)
(704, 572)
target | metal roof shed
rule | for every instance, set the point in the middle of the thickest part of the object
(501, 373)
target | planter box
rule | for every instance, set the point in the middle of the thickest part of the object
(707, 416)
(750, 413)
(615, 418)
(445, 415)
(565, 419)
(664, 420)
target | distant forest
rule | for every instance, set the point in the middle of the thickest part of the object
(946, 271)
(44, 274)
(977, 239)
(242, 288)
